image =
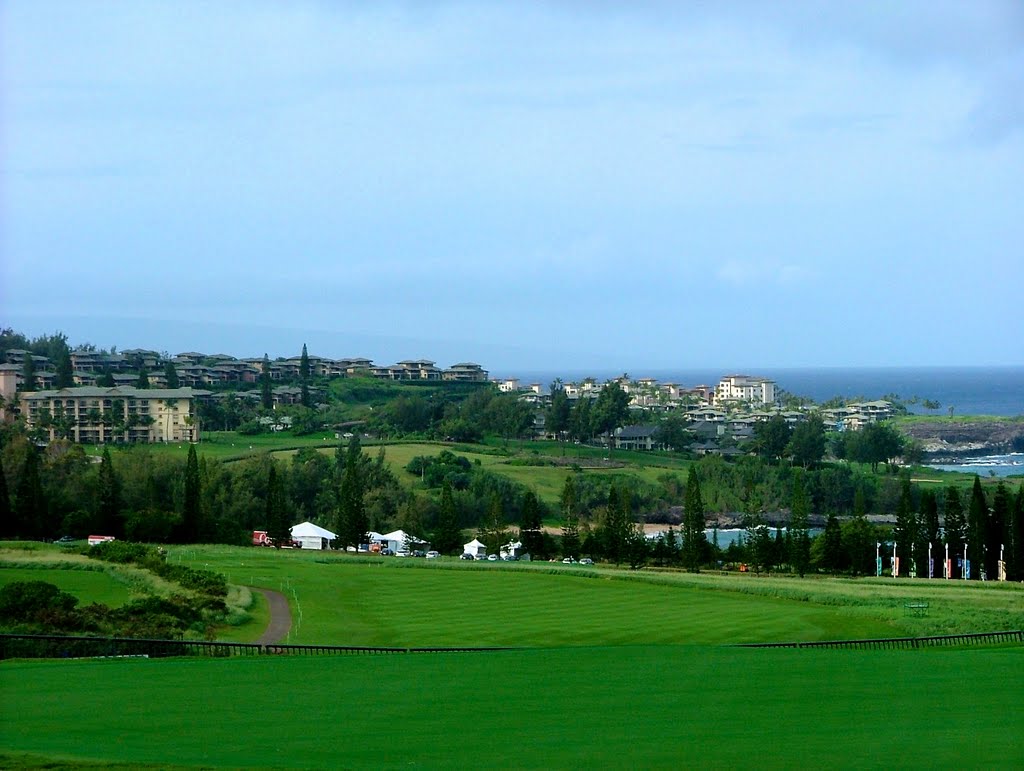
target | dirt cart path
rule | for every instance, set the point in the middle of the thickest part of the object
(280, 617)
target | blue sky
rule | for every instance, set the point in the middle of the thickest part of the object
(631, 186)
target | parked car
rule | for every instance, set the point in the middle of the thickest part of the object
(433, 555)
(419, 553)
(465, 556)
(492, 557)
(403, 553)
(65, 539)
(568, 561)
(386, 553)
(586, 561)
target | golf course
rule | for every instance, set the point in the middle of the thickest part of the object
(598, 666)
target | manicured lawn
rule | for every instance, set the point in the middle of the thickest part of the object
(632, 707)
(347, 600)
(87, 585)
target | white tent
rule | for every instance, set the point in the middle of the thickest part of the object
(399, 540)
(476, 548)
(312, 536)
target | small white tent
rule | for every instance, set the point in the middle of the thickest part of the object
(476, 548)
(312, 536)
(399, 540)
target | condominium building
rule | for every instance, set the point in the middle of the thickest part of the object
(97, 415)
(744, 388)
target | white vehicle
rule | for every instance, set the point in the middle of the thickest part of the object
(433, 555)
(403, 553)
(568, 561)
(586, 561)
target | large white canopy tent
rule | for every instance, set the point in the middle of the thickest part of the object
(312, 536)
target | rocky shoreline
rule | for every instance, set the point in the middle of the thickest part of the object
(947, 440)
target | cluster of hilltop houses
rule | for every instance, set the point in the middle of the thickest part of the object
(199, 370)
(722, 417)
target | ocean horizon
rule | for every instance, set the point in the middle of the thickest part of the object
(968, 390)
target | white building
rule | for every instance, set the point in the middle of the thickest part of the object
(744, 388)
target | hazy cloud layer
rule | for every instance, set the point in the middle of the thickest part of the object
(658, 184)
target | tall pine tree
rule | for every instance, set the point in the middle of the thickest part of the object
(693, 523)
(531, 524)
(304, 377)
(999, 518)
(30, 506)
(65, 375)
(1015, 568)
(171, 375)
(904, 533)
(448, 535)
(6, 514)
(266, 392)
(190, 510)
(800, 541)
(570, 519)
(977, 528)
(108, 513)
(954, 529)
(352, 520)
(928, 522)
(276, 515)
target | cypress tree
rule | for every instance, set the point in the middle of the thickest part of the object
(352, 520)
(996, 532)
(276, 514)
(928, 520)
(304, 378)
(6, 514)
(800, 542)
(1015, 568)
(531, 523)
(833, 551)
(616, 525)
(28, 373)
(977, 521)
(266, 393)
(171, 375)
(106, 380)
(65, 376)
(954, 528)
(143, 379)
(905, 531)
(570, 519)
(190, 514)
(29, 499)
(693, 523)
(448, 536)
(108, 515)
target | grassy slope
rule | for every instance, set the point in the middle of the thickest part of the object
(640, 707)
(87, 585)
(340, 599)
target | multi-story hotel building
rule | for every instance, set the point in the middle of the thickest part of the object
(98, 415)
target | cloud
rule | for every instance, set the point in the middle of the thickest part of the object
(750, 272)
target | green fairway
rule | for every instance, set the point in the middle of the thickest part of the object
(346, 600)
(638, 707)
(87, 585)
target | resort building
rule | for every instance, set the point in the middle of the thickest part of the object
(744, 388)
(98, 415)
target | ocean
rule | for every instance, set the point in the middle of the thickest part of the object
(968, 390)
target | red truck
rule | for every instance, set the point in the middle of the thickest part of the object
(260, 538)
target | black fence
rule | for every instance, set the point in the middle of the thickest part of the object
(892, 643)
(45, 646)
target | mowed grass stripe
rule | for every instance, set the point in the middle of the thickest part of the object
(385, 603)
(635, 707)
